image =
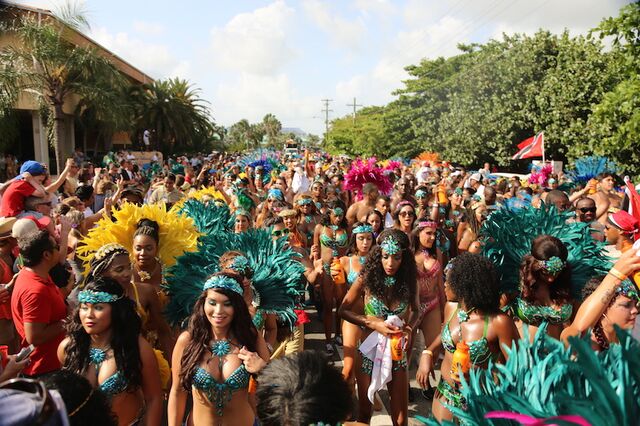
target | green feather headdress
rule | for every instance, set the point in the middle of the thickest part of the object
(507, 235)
(277, 279)
(209, 218)
(544, 379)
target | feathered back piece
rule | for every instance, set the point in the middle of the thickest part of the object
(177, 233)
(507, 236)
(540, 175)
(362, 172)
(209, 218)
(544, 379)
(277, 278)
(269, 160)
(430, 157)
(586, 168)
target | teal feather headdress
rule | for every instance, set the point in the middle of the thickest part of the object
(277, 279)
(209, 218)
(587, 168)
(544, 379)
(507, 235)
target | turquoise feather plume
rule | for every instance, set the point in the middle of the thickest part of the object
(209, 218)
(507, 235)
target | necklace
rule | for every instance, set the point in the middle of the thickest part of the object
(362, 259)
(98, 355)
(221, 348)
(463, 316)
(144, 275)
(389, 281)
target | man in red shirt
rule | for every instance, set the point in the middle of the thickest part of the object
(32, 175)
(37, 305)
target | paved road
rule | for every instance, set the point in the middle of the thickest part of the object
(314, 339)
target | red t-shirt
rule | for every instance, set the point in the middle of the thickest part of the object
(5, 276)
(13, 199)
(38, 300)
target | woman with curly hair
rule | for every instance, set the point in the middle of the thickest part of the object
(387, 284)
(609, 301)
(330, 242)
(214, 358)
(404, 216)
(474, 326)
(545, 285)
(361, 243)
(104, 345)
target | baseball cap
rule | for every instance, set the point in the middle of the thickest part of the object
(29, 224)
(32, 167)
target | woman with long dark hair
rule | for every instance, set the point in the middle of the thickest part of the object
(475, 329)
(361, 243)
(404, 216)
(545, 288)
(330, 242)
(388, 285)
(214, 358)
(104, 345)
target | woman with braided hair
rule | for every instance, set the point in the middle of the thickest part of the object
(113, 261)
(609, 301)
(147, 265)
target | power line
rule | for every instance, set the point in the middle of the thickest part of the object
(326, 111)
(354, 105)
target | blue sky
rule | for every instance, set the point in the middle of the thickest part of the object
(282, 56)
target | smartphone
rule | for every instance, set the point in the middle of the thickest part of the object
(24, 353)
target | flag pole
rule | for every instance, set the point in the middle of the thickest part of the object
(543, 159)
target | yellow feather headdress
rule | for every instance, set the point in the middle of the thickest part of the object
(208, 192)
(178, 234)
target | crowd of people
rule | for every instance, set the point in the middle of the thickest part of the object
(173, 291)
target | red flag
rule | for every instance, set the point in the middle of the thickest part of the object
(532, 147)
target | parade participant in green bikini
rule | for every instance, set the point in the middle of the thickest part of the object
(388, 285)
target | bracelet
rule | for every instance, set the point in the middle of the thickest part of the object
(617, 274)
(428, 352)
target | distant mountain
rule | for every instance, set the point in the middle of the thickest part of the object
(295, 130)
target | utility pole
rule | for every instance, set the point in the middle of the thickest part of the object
(326, 111)
(354, 105)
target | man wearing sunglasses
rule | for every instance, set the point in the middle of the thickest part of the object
(586, 213)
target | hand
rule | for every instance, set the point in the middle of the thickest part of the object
(4, 294)
(252, 361)
(385, 329)
(425, 369)
(65, 224)
(120, 184)
(108, 204)
(315, 252)
(70, 163)
(629, 262)
(97, 171)
(317, 266)
(14, 368)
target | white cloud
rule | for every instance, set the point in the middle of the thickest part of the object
(380, 8)
(254, 42)
(154, 59)
(252, 96)
(149, 28)
(343, 32)
(408, 47)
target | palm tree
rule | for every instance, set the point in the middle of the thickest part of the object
(47, 66)
(272, 127)
(174, 110)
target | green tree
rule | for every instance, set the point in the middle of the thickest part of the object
(272, 127)
(174, 110)
(47, 66)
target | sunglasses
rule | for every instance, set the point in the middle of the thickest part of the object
(587, 209)
(280, 232)
(405, 214)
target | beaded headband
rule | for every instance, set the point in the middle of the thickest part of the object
(275, 193)
(427, 224)
(107, 249)
(421, 193)
(390, 245)
(93, 297)
(362, 229)
(222, 281)
(628, 289)
(458, 191)
(304, 201)
(288, 213)
(553, 265)
(240, 264)
(338, 211)
(242, 212)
